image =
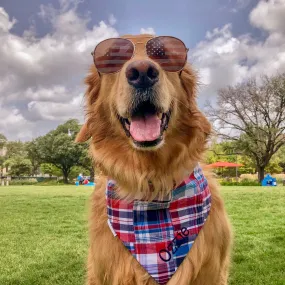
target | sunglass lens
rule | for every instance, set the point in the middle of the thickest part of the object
(110, 55)
(170, 53)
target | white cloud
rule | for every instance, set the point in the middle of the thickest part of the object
(269, 15)
(224, 31)
(41, 79)
(12, 121)
(240, 4)
(147, 31)
(112, 20)
(5, 23)
(55, 111)
(227, 60)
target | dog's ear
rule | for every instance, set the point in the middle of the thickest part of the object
(83, 134)
(93, 82)
(93, 86)
(189, 81)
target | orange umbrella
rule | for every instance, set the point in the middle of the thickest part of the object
(224, 164)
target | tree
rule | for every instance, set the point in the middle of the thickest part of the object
(58, 147)
(253, 115)
(50, 169)
(273, 166)
(34, 156)
(87, 163)
(281, 155)
(75, 170)
(15, 148)
(19, 166)
(14, 151)
(3, 141)
(227, 151)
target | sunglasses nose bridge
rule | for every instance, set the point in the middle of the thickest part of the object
(139, 48)
(140, 54)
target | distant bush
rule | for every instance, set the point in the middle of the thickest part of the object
(248, 177)
(50, 182)
(34, 181)
(279, 177)
(241, 183)
(17, 182)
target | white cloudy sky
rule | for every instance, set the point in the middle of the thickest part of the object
(45, 51)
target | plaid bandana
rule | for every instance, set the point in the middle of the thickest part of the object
(159, 234)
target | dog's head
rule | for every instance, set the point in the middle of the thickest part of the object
(143, 120)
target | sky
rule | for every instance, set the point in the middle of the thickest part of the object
(45, 49)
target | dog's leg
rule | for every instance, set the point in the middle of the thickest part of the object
(91, 278)
(225, 272)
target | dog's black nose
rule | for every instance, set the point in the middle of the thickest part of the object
(142, 74)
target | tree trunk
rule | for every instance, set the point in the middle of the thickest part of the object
(92, 174)
(65, 176)
(261, 170)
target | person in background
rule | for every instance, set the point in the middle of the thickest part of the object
(86, 181)
(80, 178)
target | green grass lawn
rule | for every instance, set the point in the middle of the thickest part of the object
(43, 234)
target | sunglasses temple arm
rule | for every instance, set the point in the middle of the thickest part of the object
(92, 53)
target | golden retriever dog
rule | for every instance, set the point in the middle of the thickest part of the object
(147, 136)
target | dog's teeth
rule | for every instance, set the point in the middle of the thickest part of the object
(160, 116)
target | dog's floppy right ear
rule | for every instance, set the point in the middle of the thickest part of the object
(93, 86)
(83, 134)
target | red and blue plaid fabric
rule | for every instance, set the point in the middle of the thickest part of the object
(159, 234)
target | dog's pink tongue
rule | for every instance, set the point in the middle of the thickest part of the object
(145, 128)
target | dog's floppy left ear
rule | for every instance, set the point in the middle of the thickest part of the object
(83, 134)
(189, 80)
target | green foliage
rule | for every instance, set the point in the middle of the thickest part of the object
(75, 170)
(281, 155)
(19, 166)
(15, 152)
(227, 151)
(71, 126)
(56, 153)
(15, 182)
(3, 141)
(50, 169)
(274, 166)
(248, 164)
(34, 156)
(59, 148)
(2, 137)
(86, 163)
(252, 114)
(2, 160)
(16, 149)
(279, 178)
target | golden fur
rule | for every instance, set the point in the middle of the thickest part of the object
(109, 262)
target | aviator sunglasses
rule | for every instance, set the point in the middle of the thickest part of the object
(169, 52)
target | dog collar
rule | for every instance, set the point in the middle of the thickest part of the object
(159, 234)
